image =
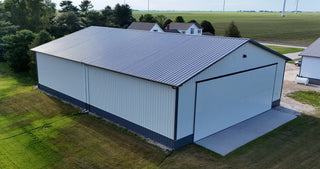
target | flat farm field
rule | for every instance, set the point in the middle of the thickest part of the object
(295, 29)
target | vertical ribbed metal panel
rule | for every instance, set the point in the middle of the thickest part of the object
(234, 62)
(310, 67)
(145, 103)
(229, 100)
(61, 75)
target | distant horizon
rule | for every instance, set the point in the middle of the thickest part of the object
(207, 5)
(225, 11)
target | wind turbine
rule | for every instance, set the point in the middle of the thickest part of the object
(297, 6)
(224, 5)
(284, 8)
(148, 6)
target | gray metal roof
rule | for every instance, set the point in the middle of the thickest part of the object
(172, 31)
(162, 57)
(313, 50)
(198, 25)
(142, 25)
(180, 26)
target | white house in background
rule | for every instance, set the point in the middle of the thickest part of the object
(171, 88)
(310, 63)
(186, 28)
(153, 27)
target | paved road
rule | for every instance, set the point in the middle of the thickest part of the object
(288, 46)
(293, 55)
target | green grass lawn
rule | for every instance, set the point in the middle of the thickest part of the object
(38, 131)
(284, 50)
(307, 97)
(294, 29)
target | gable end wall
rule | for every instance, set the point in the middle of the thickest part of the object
(234, 62)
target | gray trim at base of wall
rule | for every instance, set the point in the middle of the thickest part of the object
(125, 123)
(183, 141)
(134, 127)
(314, 81)
(63, 96)
(276, 103)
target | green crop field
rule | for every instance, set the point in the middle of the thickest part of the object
(294, 29)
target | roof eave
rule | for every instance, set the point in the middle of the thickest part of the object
(270, 50)
(309, 56)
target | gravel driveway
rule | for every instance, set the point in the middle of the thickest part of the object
(289, 86)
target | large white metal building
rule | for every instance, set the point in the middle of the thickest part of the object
(310, 63)
(172, 88)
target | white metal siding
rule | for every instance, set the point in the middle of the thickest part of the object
(156, 28)
(188, 31)
(146, 103)
(234, 62)
(61, 75)
(310, 67)
(226, 101)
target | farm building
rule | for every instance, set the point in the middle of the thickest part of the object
(153, 27)
(174, 89)
(185, 28)
(310, 63)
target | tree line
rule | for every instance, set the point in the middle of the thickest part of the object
(25, 24)
(231, 31)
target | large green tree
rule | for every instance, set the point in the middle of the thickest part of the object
(232, 30)
(108, 15)
(85, 7)
(179, 19)
(123, 15)
(65, 23)
(17, 48)
(207, 27)
(34, 15)
(6, 28)
(67, 6)
(94, 18)
(161, 19)
(147, 18)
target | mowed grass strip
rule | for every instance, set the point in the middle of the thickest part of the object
(294, 29)
(307, 97)
(284, 50)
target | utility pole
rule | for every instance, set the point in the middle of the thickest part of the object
(224, 5)
(284, 8)
(297, 6)
(148, 6)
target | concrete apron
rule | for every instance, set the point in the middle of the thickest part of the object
(244, 132)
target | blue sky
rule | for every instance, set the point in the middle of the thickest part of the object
(208, 5)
